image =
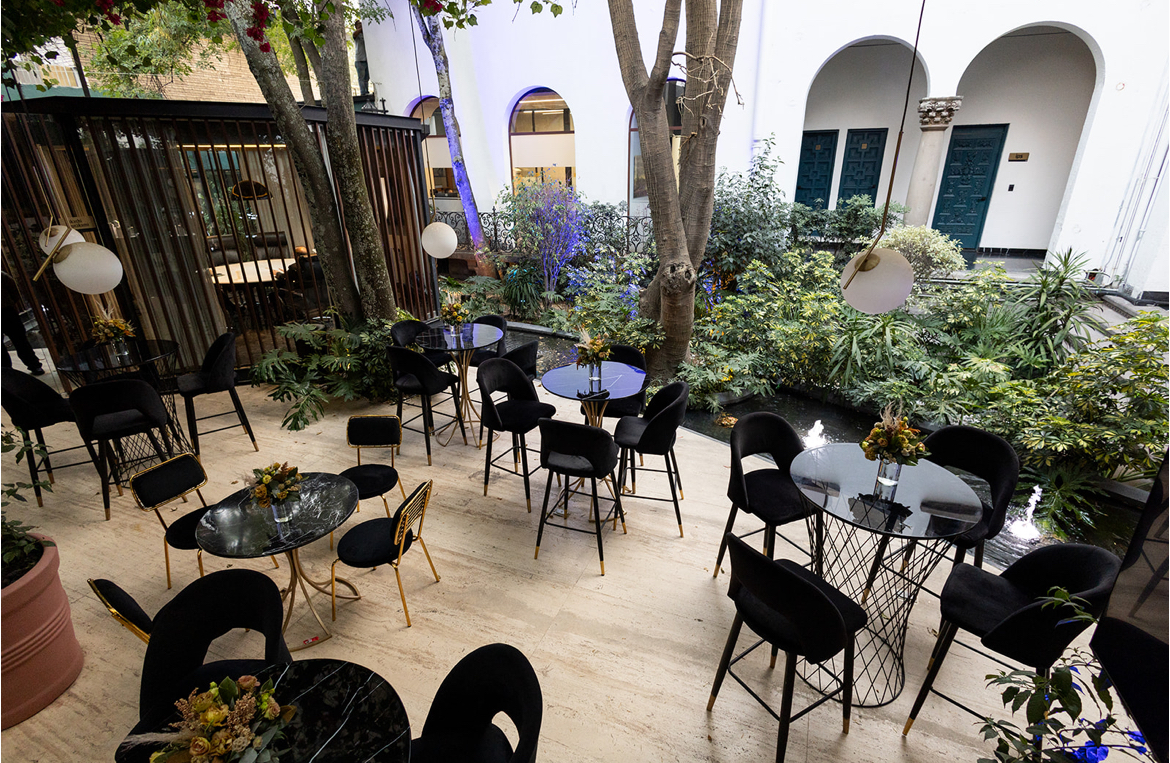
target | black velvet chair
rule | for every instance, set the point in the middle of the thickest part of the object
(626, 406)
(108, 411)
(518, 415)
(769, 493)
(123, 607)
(374, 480)
(415, 375)
(654, 434)
(383, 541)
(525, 357)
(170, 481)
(485, 353)
(217, 374)
(404, 334)
(795, 611)
(496, 678)
(33, 406)
(185, 627)
(989, 457)
(584, 452)
(1004, 612)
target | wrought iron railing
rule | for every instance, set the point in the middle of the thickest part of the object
(624, 233)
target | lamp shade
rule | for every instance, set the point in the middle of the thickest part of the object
(439, 240)
(88, 268)
(50, 236)
(883, 287)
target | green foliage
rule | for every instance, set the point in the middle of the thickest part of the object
(1059, 314)
(547, 224)
(520, 289)
(1058, 709)
(19, 550)
(845, 230)
(931, 254)
(349, 363)
(27, 25)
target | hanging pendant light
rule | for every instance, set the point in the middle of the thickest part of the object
(57, 237)
(880, 280)
(439, 240)
(80, 265)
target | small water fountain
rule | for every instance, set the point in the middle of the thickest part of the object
(816, 436)
(1023, 527)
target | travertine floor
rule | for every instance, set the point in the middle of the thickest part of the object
(625, 660)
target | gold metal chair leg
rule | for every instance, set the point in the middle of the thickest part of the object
(167, 557)
(275, 563)
(333, 586)
(428, 554)
(400, 487)
(402, 593)
(199, 560)
(387, 505)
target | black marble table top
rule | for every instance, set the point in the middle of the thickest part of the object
(930, 501)
(345, 713)
(618, 380)
(103, 357)
(235, 528)
(466, 338)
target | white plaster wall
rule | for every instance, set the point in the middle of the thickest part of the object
(1040, 86)
(862, 87)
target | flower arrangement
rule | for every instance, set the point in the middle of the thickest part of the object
(453, 312)
(279, 483)
(592, 349)
(107, 329)
(893, 439)
(232, 721)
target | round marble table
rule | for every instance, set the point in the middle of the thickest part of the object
(878, 552)
(236, 529)
(461, 342)
(345, 712)
(615, 380)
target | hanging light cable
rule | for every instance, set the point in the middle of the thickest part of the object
(886, 276)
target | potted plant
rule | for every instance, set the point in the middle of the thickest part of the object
(39, 653)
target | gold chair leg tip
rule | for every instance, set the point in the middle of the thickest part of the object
(680, 532)
(909, 723)
(603, 568)
(255, 447)
(537, 554)
(710, 703)
(845, 726)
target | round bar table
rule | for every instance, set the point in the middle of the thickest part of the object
(615, 380)
(461, 342)
(878, 552)
(234, 528)
(345, 712)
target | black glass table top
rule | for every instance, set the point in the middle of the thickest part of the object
(930, 502)
(617, 380)
(235, 528)
(469, 336)
(345, 712)
(104, 357)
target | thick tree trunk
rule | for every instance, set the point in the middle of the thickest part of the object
(306, 158)
(374, 285)
(432, 34)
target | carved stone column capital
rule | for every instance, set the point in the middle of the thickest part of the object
(937, 113)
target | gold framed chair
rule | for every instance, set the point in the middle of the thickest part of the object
(384, 541)
(123, 607)
(374, 431)
(169, 481)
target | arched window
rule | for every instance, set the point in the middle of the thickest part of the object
(639, 201)
(541, 133)
(436, 154)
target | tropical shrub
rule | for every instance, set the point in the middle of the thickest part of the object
(931, 254)
(844, 230)
(547, 227)
(19, 550)
(605, 295)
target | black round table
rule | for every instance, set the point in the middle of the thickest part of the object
(594, 389)
(345, 712)
(461, 342)
(878, 552)
(236, 529)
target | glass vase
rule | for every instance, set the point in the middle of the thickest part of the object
(281, 511)
(121, 349)
(594, 377)
(886, 485)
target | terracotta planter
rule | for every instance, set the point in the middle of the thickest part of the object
(39, 652)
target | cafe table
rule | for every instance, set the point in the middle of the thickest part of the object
(235, 528)
(878, 549)
(594, 385)
(345, 713)
(461, 342)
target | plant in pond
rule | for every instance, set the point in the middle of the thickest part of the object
(520, 288)
(482, 295)
(1056, 315)
(872, 347)
(349, 363)
(715, 370)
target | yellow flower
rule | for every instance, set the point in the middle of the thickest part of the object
(221, 742)
(199, 746)
(272, 709)
(267, 478)
(214, 715)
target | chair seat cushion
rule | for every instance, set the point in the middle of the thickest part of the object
(191, 385)
(371, 479)
(479, 356)
(126, 605)
(629, 431)
(409, 384)
(120, 424)
(579, 466)
(623, 406)
(521, 415)
(181, 532)
(781, 631)
(490, 746)
(371, 544)
(977, 601)
(773, 497)
(438, 357)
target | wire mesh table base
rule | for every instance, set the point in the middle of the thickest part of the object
(883, 574)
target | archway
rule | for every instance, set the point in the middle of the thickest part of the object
(541, 139)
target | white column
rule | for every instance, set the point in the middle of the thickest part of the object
(934, 117)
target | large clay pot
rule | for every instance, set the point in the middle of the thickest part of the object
(39, 652)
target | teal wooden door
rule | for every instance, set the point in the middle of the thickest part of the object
(861, 167)
(814, 176)
(968, 177)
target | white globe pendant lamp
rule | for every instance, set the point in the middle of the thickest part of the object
(877, 281)
(88, 268)
(439, 240)
(57, 237)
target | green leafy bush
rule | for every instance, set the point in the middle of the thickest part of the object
(931, 254)
(19, 550)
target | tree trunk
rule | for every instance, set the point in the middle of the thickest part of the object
(307, 160)
(433, 37)
(373, 277)
(306, 84)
